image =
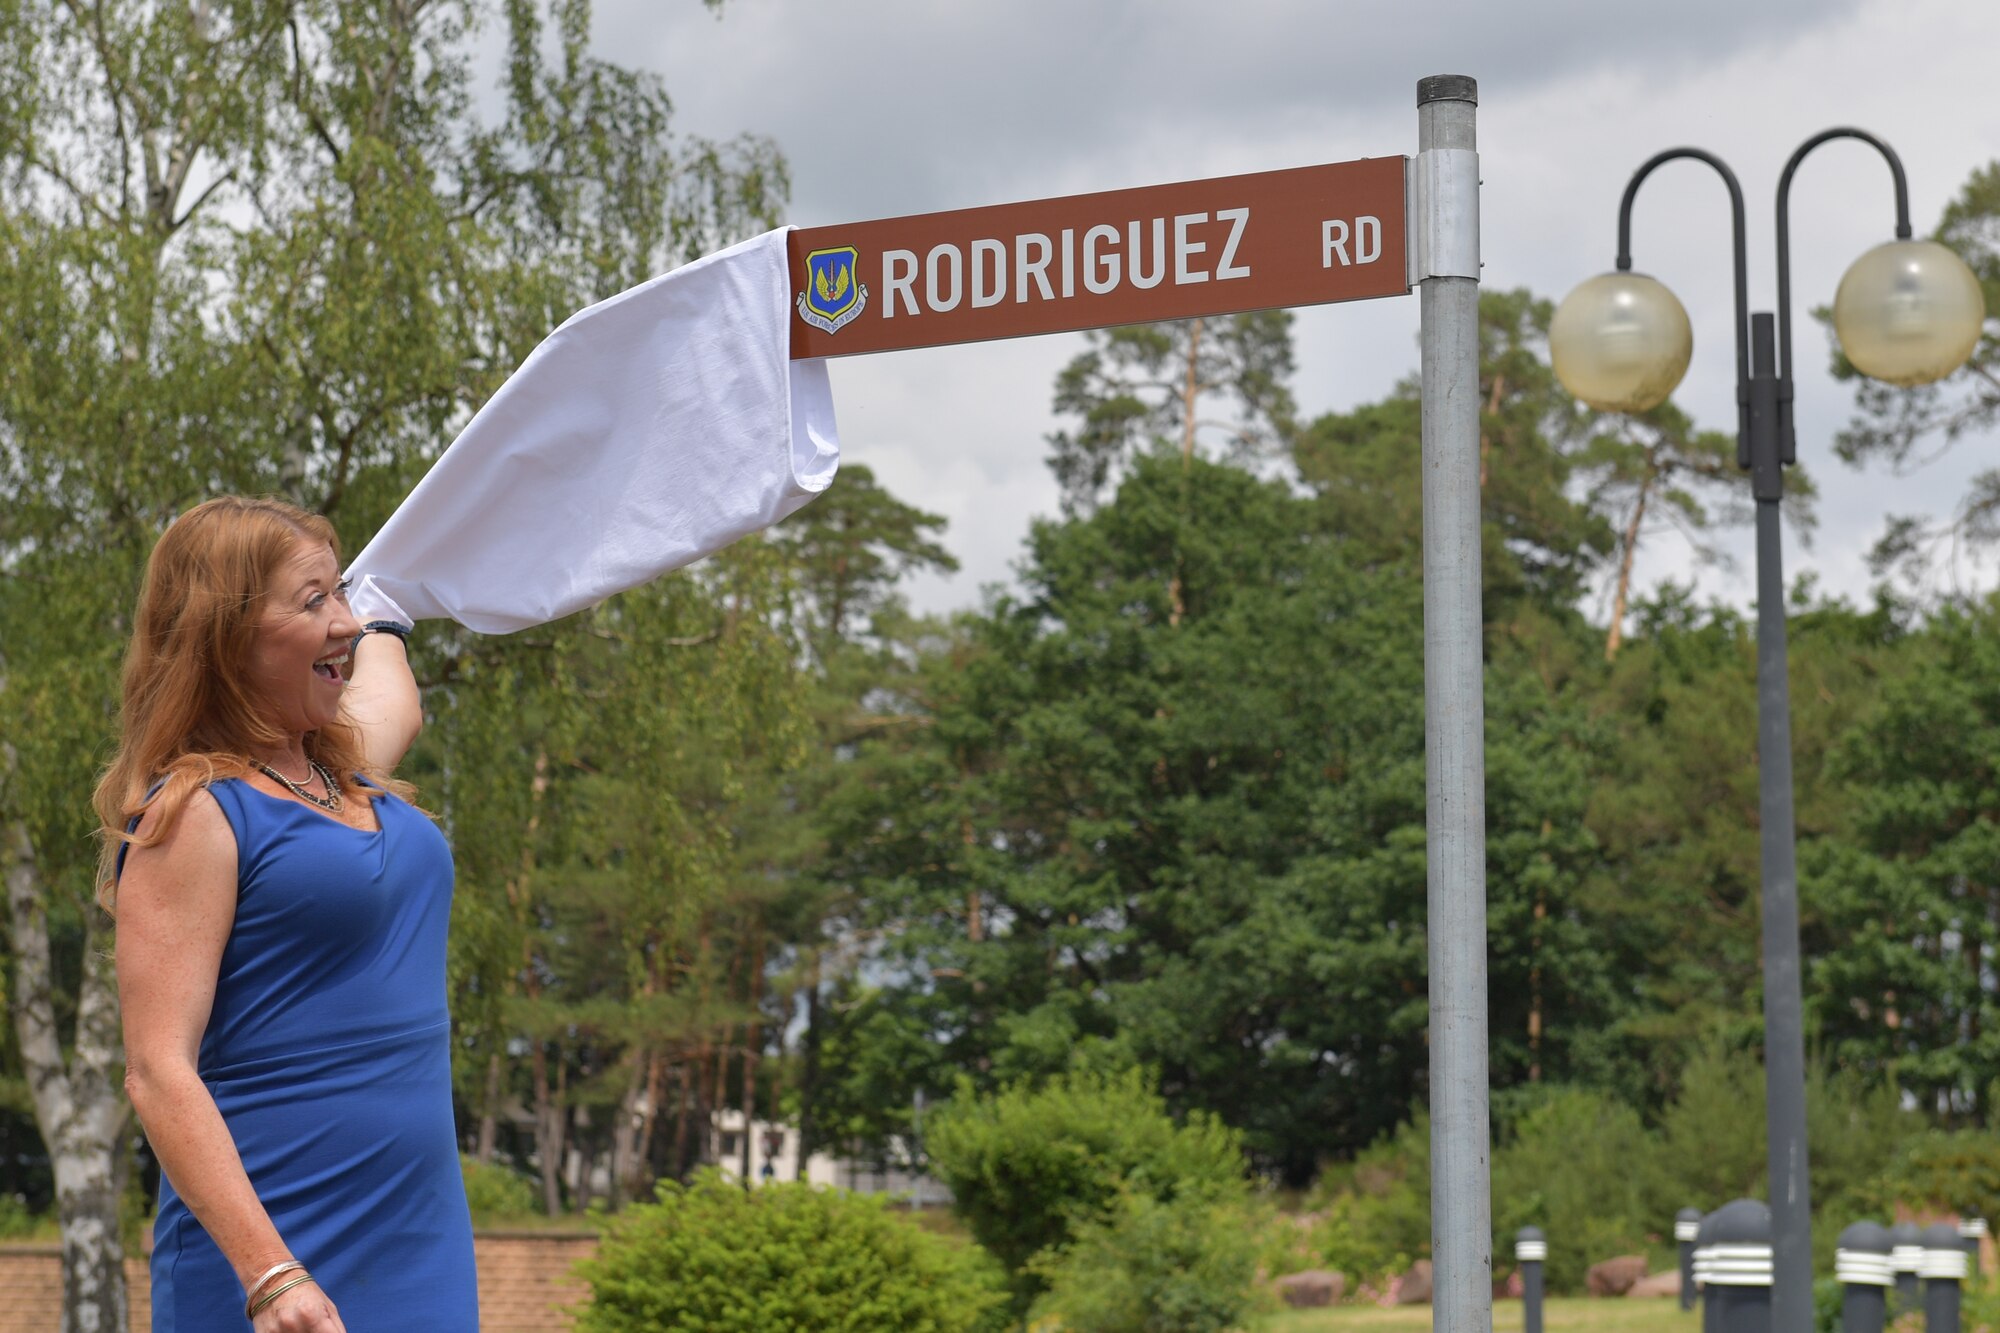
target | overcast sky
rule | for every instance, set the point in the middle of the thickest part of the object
(888, 107)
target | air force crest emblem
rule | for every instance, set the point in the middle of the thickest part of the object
(833, 295)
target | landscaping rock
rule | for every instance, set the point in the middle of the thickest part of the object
(1615, 1277)
(1414, 1287)
(1311, 1289)
(1658, 1284)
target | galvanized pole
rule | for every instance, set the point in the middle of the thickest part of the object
(1445, 265)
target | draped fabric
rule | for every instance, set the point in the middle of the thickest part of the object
(646, 432)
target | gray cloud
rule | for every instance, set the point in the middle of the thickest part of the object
(887, 107)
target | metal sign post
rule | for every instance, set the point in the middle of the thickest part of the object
(1341, 232)
(1445, 246)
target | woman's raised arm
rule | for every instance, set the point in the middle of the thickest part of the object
(381, 700)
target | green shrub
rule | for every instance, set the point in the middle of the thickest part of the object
(1579, 1166)
(713, 1257)
(1285, 1240)
(1186, 1265)
(1828, 1296)
(18, 1223)
(1980, 1311)
(1029, 1166)
(494, 1192)
(1375, 1213)
(1942, 1170)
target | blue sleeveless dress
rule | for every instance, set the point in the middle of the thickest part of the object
(328, 1051)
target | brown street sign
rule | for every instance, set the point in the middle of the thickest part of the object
(1300, 237)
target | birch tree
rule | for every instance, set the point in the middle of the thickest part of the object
(266, 247)
(1656, 473)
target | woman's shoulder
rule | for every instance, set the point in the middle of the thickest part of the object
(197, 833)
(197, 807)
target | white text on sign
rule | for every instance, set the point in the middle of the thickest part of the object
(1333, 238)
(1037, 266)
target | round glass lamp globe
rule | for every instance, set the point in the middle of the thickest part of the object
(1621, 342)
(1908, 312)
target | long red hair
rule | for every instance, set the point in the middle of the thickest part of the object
(188, 716)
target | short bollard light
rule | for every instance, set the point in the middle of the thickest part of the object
(1704, 1251)
(1687, 1222)
(1973, 1231)
(1943, 1271)
(1906, 1255)
(1531, 1249)
(1739, 1267)
(1862, 1265)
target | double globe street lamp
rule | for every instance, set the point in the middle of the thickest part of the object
(1907, 312)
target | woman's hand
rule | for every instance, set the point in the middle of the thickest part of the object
(303, 1309)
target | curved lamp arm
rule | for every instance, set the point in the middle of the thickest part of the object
(1742, 279)
(1786, 438)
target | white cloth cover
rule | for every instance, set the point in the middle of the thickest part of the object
(648, 431)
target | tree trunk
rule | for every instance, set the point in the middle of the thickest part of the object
(649, 1119)
(581, 1164)
(752, 1041)
(1623, 594)
(684, 1112)
(1190, 391)
(80, 1103)
(809, 1073)
(626, 1128)
(717, 1098)
(548, 1132)
(489, 1115)
(1535, 973)
(1485, 441)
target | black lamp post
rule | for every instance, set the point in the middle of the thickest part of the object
(1908, 312)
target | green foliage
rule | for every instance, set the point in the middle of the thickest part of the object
(1582, 1167)
(289, 249)
(1375, 1212)
(1171, 801)
(1600, 1180)
(1979, 1310)
(1903, 974)
(1947, 1171)
(495, 1192)
(1149, 388)
(713, 1257)
(1029, 1167)
(1828, 1293)
(1181, 1265)
(18, 1222)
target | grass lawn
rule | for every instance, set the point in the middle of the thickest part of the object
(1571, 1315)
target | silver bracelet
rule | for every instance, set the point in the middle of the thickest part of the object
(250, 1295)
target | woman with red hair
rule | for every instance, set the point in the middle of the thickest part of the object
(282, 909)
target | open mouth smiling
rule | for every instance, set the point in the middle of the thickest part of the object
(332, 667)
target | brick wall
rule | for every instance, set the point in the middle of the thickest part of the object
(524, 1283)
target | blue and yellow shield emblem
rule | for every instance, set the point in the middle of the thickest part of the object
(832, 295)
